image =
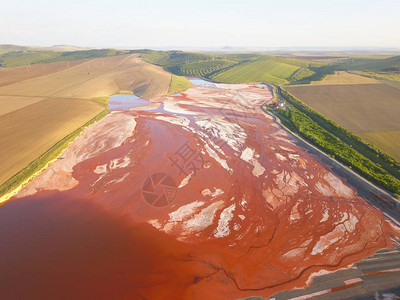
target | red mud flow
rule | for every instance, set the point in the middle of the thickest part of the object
(193, 196)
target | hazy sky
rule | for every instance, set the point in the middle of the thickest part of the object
(206, 23)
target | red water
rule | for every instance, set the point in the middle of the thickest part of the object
(55, 247)
(242, 211)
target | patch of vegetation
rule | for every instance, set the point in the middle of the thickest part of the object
(302, 73)
(102, 100)
(342, 144)
(45, 158)
(178, 84)
(315, 73)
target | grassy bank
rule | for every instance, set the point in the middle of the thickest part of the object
(338, 142)
(41, 162)
(178, 84)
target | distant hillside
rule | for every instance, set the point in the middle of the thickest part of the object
(194, 64)
(85, 54)
(8, 48)
(25, 57)
(66, 48)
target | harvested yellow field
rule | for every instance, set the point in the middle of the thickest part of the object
(28, 132)
(11, 103)
(41, 104)
(17, 74)
(343, 77)
(388, 141)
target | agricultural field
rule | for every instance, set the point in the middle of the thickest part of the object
(41, 104)
(369, 110)
(17, 74)
(269, 69)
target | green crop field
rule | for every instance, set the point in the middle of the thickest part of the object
(271, 69)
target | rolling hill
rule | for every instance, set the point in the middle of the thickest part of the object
(26, 56)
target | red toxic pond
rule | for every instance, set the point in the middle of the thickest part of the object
(193, 196)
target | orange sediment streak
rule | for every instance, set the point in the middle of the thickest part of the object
(382, 272)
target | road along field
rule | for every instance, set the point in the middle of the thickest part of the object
(41, 104)
(193, 196)
(369, 110)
